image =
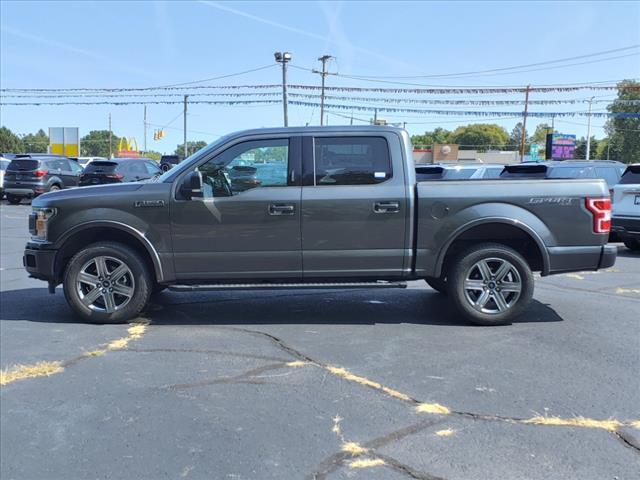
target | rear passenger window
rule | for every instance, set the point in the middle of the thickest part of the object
(351, 160)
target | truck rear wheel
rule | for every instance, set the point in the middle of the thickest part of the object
(107, 282)
(490, 284)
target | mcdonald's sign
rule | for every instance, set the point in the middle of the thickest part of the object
(128, 147)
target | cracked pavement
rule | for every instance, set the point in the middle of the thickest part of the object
(248, 385)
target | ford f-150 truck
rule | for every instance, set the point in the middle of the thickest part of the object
(326, 207)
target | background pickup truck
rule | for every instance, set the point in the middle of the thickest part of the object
(332, 207)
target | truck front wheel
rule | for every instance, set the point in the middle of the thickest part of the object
(490, 284)
(107, 282)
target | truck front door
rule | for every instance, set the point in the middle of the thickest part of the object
(247, 225)
(354, 206)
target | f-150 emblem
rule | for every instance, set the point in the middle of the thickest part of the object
(149, 203)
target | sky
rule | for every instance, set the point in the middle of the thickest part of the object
(105, 44)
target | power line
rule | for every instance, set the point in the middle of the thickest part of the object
(515, 67)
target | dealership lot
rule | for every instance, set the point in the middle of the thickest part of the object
(321, 384)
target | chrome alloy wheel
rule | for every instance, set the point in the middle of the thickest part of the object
(492, 285)
(105, 284)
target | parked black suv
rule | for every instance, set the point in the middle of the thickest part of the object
(28, 176)
(119, 170)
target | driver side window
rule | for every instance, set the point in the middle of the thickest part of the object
(245, 166)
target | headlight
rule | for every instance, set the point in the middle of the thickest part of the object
(39, 222)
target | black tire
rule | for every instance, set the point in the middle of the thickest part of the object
(632, 244)
(13, 199)
(138, 278)
(438, 283)
(469, 301)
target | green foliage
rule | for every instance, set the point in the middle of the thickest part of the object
(438, 135)
(192, 147)
(480, 136)
(152, 155)
(602, 151)
(624, 133)
(580, 152)
(96, 144)
(540, 135)
(36, 143)
(515, 139)
(9, 142)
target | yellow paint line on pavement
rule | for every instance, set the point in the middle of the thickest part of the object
(21, 372)
(353, 448)
(347, 375)
(574, 275)
(367, 463)
(297, 363)
(433, 408)
(610, 425)
(45, 369)
(621, 291)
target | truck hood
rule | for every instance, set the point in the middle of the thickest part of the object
(101, 191)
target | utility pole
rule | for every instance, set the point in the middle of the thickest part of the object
(375, 116)
(323, 74)
(284, 58)
(588, 154)
(110, 149)
(185, 126)
(145, 128)
(524, 123)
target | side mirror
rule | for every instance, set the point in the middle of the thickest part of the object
(191, 186)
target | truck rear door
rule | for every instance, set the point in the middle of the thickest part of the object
(354, 205)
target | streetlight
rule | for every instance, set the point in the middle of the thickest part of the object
(588, 154)
(284, 58)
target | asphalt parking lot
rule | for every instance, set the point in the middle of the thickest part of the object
(363, 384)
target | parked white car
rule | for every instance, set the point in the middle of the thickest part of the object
(626, 207)
(4, 163)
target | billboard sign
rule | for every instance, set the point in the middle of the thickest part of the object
(560, 146)
(64, 141)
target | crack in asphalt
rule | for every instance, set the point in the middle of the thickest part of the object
(610, 426)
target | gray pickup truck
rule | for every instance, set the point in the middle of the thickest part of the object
(331, 207)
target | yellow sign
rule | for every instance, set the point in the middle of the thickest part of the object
(64, 141)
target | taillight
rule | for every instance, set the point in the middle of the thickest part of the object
(40, 173)
(600, 208)
(117, 176)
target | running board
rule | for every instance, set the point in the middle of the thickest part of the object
(285, 286)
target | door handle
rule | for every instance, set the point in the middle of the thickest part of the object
(282, 210)
(386, 207)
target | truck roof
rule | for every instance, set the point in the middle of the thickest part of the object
(317, 128)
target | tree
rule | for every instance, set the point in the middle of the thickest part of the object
(624, 133)
(480, 136)
(581, 149)
(602, 152)
(438, 135)
(36, 143)
(515, 139)
(10, 142)
(153, 155)
(192, 147)
(96, 144)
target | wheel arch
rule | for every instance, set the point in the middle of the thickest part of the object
(76, 238)
(515, 234)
